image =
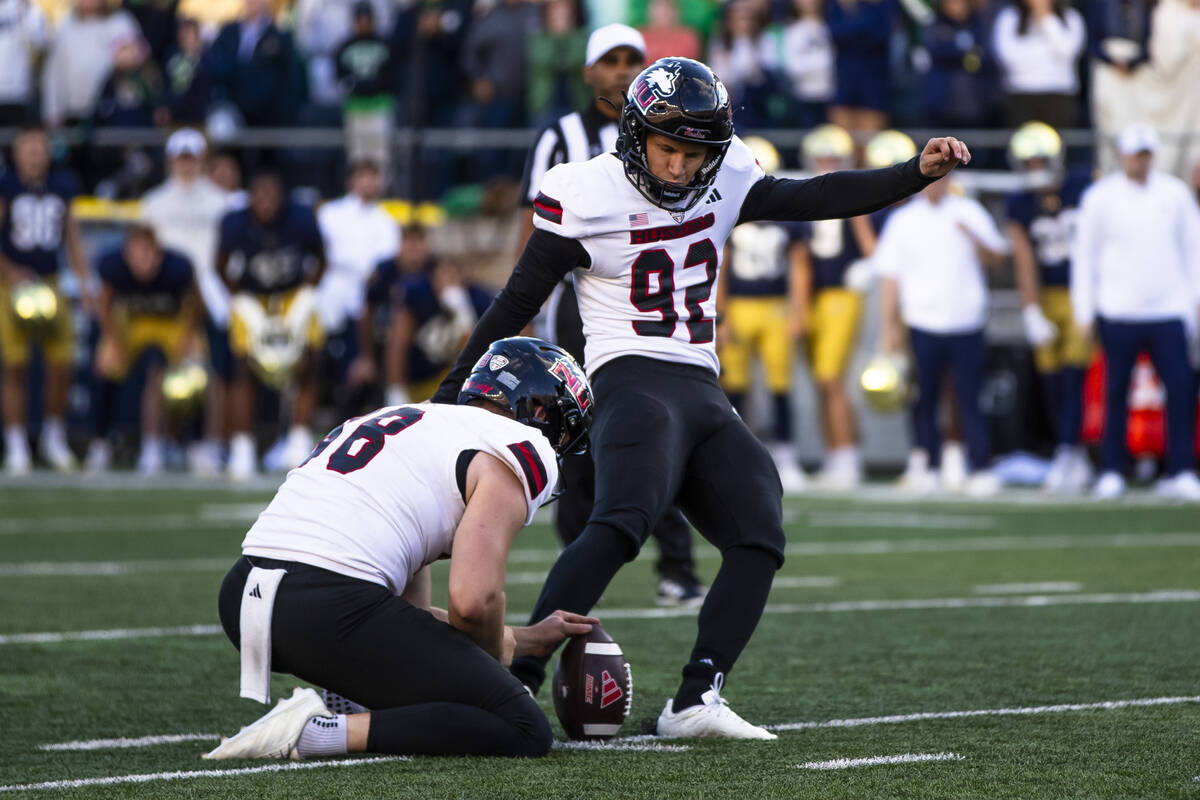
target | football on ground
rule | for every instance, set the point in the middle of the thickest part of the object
(593, 686)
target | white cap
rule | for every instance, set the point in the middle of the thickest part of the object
(611, 37)
(1137, 138)
(186, 142)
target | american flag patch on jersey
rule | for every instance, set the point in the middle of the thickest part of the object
(639, 220)
(531, 464)
(548, 208)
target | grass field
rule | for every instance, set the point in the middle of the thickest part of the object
(888, 616)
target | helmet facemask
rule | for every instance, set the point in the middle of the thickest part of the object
(683, 101)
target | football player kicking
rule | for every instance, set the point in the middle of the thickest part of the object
(333, 585)
(643, 229)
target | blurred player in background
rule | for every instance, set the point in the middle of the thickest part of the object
(832, 307)
(149, 313)
(614, 55)
(334, 582)
(1135, 276)
(185, 213)
(271, 254)
(35, 223)
(358, 234)
(762, 314)
(643, 230)
(931, 255)
(1041, 222)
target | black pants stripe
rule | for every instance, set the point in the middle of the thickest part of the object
(431, 689)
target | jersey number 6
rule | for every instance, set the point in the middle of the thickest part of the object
(367, 440)
(644, 298)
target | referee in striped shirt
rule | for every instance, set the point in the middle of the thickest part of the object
(615, 55)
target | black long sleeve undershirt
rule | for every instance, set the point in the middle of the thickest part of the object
(835, 195)
(547, 258)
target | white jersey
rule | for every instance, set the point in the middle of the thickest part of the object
(382, 495)
(650, 288)
(186, 217)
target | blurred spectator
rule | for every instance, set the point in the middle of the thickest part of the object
(861, 30)
(81, 58)
(132, 91)
(701, 16)
(128, 99)
(35, 224)
(958, 90)
(358, 234)
(254, 65)
(266, 255)
(185, 212)
(1119, 46)
(149, 315)
(1172, 98)
(426, 43)
(931, 255)
(494, 61)
(157, 21)
(211, 14)
(322, 26)
(801, 55)
(225, 172)
(23, 36)
(556, 60)
(666, 36)
(1038, 43)
(366, 72)
(1135, 276)
(187, 85)
(432, 314)
(734, 55)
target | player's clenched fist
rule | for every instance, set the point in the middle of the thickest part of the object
(942, 155)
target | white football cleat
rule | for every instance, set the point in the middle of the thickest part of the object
(712, 718)
(1110, 486)
(954, 466)
(275, 734)
(1182, 486)
(983, 483)
(53, 446)
(243, 462)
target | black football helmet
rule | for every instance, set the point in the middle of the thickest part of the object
(541, 384)
(683, 100)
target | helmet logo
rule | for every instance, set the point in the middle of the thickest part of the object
(656, 85)
(578, 389)
(482, 362)
(509, 380)
(692, 133)
(496, 363)
(663, 80)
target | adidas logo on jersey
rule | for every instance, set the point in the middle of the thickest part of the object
(255, 592)
(713, 197)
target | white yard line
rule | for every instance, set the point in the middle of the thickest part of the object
(1027, 588)
(991, 544)
(1030, 601)
(54, 637)
(176, 521)
(906, 758)
(120, 744)
(805, 582)
(290, 766)
(619, 746)
(894, 519)
(1107, 705)
(78, 568)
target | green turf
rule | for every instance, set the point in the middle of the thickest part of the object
(809, 665)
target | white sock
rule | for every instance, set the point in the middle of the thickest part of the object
(323, 736)
(14, 439)
(53, 430)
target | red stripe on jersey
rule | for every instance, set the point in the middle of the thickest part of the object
(532, 466)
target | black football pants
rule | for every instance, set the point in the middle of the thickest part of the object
(666, 434)
(578, 473)
(430, 688)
